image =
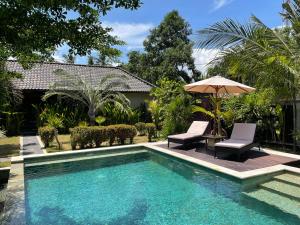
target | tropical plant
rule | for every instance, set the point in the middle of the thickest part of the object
(141, 128)
(257, 107)
(47, 26)
(55, 121)
(151, 130)
(71, 114)
(100, 120)
(177, 116)
(117, 115)
(156, 113)
(2, 133)
(93, 96)
(165, 97)
(271, 54)
(12, 122)
(47, 135)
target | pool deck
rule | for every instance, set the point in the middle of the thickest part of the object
(251, 160)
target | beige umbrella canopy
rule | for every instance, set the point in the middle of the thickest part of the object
(218, 86)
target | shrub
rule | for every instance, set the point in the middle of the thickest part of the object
(95, 135)
(87, 136)
(141, 128)
(47, 135)
(151, 129)
(122, 132)
(111, 134)
(98, 135)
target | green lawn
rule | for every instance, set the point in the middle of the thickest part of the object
(9, 146)
(65, 141)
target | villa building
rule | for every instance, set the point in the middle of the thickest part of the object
(37, 79)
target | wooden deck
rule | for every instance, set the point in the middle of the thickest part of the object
(251, 160)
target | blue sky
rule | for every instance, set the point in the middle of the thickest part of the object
(133, 26)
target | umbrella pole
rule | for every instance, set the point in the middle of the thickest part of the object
(218, 121)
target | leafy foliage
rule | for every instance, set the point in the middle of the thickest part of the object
(257, 108)
(151, 130)
(141, 128)
(70, 114)
(88, 136)
(124, 131)
(2, 133)
(156, 113)
(171, 106)
(37, 27)
(177, 116)
(47, 135)
(168, 52)
(265, 56)
(117, 115)
(12, 122)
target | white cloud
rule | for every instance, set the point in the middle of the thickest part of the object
(58, 58)
(218, 4)
(203, 57)
(60, 51)
(132, 33)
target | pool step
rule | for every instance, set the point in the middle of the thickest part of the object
(289, 178)
(276, 200)
(282, 188)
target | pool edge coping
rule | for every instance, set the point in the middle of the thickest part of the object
(240, 175)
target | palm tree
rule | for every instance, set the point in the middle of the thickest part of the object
(94, 96)
(272, 53)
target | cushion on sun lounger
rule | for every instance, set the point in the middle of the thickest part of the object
(198, 127)
(243, 131)
(184, 136)
(231, 143)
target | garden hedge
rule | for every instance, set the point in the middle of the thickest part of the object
(141, 128)
(122, 132)
(88, 136)
(47, 135)
(95, 135)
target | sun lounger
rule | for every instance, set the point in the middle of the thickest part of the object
(194, 133)
(241, 139)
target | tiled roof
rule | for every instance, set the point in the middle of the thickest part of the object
(42, 74)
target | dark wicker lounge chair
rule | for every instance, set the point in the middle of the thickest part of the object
(241, 139)
(194, 133)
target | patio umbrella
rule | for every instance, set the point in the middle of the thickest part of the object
(218, 86)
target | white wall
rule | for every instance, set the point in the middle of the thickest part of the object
(137, 98)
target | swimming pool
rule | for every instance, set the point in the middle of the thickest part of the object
(141, 188)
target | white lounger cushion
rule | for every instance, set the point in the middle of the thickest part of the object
(184, 136)
(243, 131)
(231, 143)
(196, 129)
(242, 135)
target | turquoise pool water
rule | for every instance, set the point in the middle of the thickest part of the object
(145, 189)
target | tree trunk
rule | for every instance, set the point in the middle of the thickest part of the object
(56, 138)
(92, 116)
(294, 120)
